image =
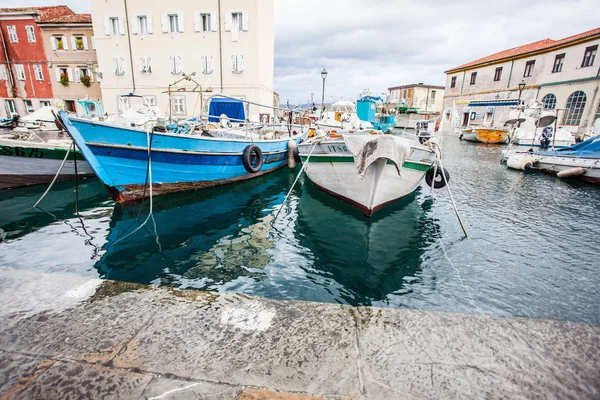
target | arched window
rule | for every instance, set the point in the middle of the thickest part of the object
(574, 109)
(549, 102)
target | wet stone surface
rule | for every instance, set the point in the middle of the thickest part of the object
(142, 343)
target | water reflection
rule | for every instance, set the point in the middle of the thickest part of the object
(369, 257)
(195, 239)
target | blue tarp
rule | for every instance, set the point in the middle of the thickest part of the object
(587, 149)
(234, 109)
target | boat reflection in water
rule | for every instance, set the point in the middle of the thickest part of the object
(195, 239)
(370, 258)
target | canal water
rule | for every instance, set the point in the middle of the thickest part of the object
(532, 251)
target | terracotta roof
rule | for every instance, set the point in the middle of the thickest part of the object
(528, 48)
(46, 13)
(71, 18)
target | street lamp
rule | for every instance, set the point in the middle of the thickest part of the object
(312, 99)
(323, 75)
(521, 87)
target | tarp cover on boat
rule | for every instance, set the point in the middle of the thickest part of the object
(43, 114)
(234, 109)
(587, 149)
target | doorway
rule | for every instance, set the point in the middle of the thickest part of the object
(465, 119)
(70, 106)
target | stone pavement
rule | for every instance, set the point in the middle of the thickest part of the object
(128, 341)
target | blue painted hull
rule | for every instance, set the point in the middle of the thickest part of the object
(119, 157)
(383, 126)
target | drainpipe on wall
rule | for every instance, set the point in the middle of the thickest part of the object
(462, 86)
(427, 99)
(220, 48)
(11, 77)
(129, 42)
(512, 63)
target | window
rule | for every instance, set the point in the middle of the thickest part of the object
(473, 78)
(12, 33)
(598, 112)
(146, 65)
(589, 56)
(59, 43)
(574, 108)
(115, 26)
(433, 95)
(79, 42)
(150, 101)
(203, 22)
(142, 22)
(558, 62)
(175, 65)
(20, 72)
(10, 107)
(173, 23)
(453, 82)
(549, 102)
(207, 64)
(64, 74)
(119, 65)
(3, 72)
(236, 22)
(237, 64)
(124, 103)
(179, 105)
(30, 33)
(28, 106)
(83, 71)
(44, 103)
(528, 68)
(39, 74)
(498, 74)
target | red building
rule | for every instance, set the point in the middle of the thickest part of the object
(25, 80)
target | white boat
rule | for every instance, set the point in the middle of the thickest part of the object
(580, 161)
(30, 159)
(544, 138)
(342, 116)
(41, 119)
(367, 171)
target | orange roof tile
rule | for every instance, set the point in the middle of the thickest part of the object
(45, 12)
(528, 48)
(71, 18)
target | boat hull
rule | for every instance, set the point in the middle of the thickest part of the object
(558, 143)
(119, 156)
(336, 175)
(554, 165)
(25, 165)
(488, 136)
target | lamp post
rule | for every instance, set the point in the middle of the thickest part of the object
(323, 75)
(312, 99)
(521, 87)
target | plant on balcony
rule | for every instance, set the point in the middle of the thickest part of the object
(79, 43)
(64, 79)
(59, 44)
(85, 79)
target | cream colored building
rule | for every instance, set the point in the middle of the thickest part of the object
(69, 45)
(143, 47)
(564, 75)
(427, 98)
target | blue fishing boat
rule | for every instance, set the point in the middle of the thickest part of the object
(384, 123)
(129, 159)
(366, 109)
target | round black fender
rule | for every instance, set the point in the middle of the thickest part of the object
(437, 181)
(297, 156)
(252, 158)
(424, 136)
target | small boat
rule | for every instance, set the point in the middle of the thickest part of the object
(342, 116)
(384, 123)
(31, 159)
(544, 138)
(128, 159)
(580, 161)
(40, 120)
(485, 135)
(368, 171)
(10, 122)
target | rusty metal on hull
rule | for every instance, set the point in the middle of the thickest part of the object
(133, 193)
(365, 210)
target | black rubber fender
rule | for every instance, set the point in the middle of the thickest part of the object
(439, 181)
(250, 152)
(297, 156)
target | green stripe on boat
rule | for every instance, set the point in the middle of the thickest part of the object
(407, 164)
(37, 152)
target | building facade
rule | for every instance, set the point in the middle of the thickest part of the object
(27, 75)
(564, 75)
(427, 98)
(144, 47)
(72, 63)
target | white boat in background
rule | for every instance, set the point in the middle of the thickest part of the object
(368, 171)
(30, 159)
(342, 116)
(39, 120)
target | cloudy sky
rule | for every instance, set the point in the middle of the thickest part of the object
(376, 44)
